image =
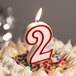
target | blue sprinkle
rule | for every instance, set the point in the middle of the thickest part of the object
(57, 59)
(19, 55)
(15, 60)
(17, 63)
(19, 60)
(46, 71)
(56, 56)
(37, 69)
(37, 64)
(54, 63)
(27, 64)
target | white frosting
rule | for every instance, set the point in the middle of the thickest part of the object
(20, 47)
(17, 68)
(7, 64)
(74, 68)
(68, 45)
(26, 72)
(63, 52)
(21, 71)
(73, 61)
(40, 72)
(74, 49)
(55, 73)
(15, 74)
(58, 45)
(1, 53)
(6, 60)
(9, 67)
(28, 47)
(71, 56)
(10, 51)
(2, 72)
(65, 49)
(69, 72)
(12, 44)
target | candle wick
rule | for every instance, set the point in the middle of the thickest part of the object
(36, 20)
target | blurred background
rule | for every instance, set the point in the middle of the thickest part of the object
(59, 14)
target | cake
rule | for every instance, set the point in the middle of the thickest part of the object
(62, 62)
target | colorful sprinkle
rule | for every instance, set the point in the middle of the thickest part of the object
(56, 56)
(64, 59)
(47, 72)
(49, 61)
(54, 67)
(37, 69)
(65, 68)
(45, 69)
(52, 60)
(50, 69)
(63, 63)
(14, 54)
(62, 67)
(49, 64)
(33, 70)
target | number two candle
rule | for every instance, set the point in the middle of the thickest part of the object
(39, 35)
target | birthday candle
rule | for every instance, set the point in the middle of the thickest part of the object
(39, 35)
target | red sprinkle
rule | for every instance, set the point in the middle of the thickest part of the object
(60, 60)
(47, 72)
(12, 57)
(52, 56)
(57, 62)
(49, 66)
(64, 59)
(45, 65)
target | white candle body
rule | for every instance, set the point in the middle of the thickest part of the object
(34, 54)
(29, 27)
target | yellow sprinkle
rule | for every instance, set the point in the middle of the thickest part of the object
(52, 60)
(23, 65)
(43, 65)
(49, 61)
(54, 67)
(62, 67)
(14, 54)
(22, 61)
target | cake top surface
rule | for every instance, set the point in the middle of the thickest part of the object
(62, 62)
